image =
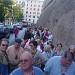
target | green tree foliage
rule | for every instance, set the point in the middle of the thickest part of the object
(9, 9)
(17, 13)
(1, 13)
(5, 8)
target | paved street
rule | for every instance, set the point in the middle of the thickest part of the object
(20, 35)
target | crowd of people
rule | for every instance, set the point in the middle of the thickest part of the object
(35, 54)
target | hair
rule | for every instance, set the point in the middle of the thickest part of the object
(52, 46)
(34, 43)
(38, 41)
(72, 47)
(68, 54)
(59, 44)
(28, 53)
(4, 39)
(38, 33)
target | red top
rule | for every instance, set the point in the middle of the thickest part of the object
(16, 30)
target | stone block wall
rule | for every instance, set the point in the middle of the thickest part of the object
(59, 17)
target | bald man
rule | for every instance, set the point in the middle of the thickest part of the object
(26, 66)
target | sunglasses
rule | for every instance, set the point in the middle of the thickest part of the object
(26, 60)
(4, 45)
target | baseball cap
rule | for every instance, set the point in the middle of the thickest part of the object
(18, 40)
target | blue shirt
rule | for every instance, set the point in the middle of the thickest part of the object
(37, 71)
(53, 67)
(3, 69)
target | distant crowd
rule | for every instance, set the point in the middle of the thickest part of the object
(35, 54)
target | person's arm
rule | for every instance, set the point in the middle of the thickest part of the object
(43, 59)
(11, 74)
(1, 58)
(48, 66)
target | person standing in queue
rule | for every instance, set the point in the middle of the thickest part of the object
(60, 65)
(26, 66)
(13, 53)
(16, 31)
(4, 61)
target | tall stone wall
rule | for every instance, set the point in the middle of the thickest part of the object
(59, 17)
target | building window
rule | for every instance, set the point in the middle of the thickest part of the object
(31, 1)
(33, 16)
(22, 13)
(31, 5)
(34, 8)
(37, 16)
(33, 21)
(22, 10)
(30, 8)
(27, 4)
(38, 13)
(19, 1)
(38, 9)
(23, 4)
(34, 12)
(29, 19)
(30, 12)
(26, 15)
(29, 15)
(26, 12)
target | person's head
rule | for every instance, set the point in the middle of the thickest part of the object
(17, 42)
(72, 49)
(4, 44)
(26, 60)
(28, 29)
(67, 58)
(47, 48)
(38, 35)
(38, 41)
(59, 45)
(33, 46)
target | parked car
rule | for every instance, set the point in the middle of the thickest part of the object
(10, 28)
(24, 24)
(3, 31)
(1, 24)
(18, 25)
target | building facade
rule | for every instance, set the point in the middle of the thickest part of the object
(32, 10)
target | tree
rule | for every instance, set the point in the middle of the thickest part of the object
(17, 13)
(5, 8)
(9, 9)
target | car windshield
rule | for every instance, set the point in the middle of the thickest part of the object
(9, 26)
(1, 26)
(1, 23)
